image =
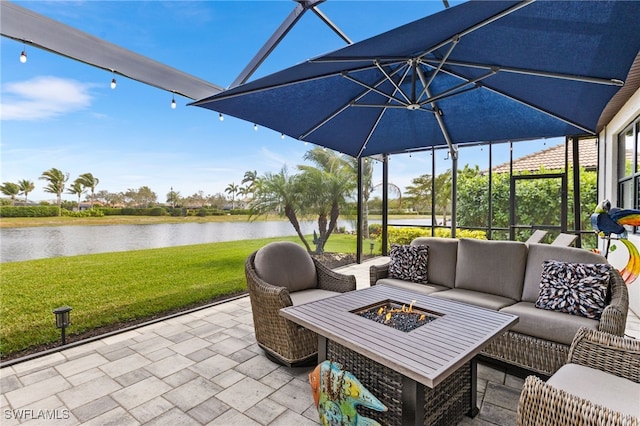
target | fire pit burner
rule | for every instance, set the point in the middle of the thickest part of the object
(397, 315)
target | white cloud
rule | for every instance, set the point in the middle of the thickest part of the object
(43, 97)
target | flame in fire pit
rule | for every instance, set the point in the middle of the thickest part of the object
(399, 316)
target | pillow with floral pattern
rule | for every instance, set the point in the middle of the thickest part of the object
(409, 263)
(574, 288)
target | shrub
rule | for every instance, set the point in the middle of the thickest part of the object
(28, 211)
(375, 229)
(404, 235)
(108, 211)
(83, 213)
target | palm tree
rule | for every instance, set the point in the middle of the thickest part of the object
(232, 189)
(57, 180)
(26, 186)
(87, 180)
(244, 191)
(76, 188)
(326, 189)
(173, 197)
(250, 177)
(279, 193)
(11, 189)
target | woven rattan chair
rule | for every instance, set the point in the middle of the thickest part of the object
(566, 400)
(282, 274)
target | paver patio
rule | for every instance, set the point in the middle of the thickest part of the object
(203, 367)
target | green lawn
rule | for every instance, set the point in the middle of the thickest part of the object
(111, 288)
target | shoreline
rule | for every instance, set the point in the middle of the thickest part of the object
(30, 222)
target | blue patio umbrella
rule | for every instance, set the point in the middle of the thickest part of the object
(478, 72)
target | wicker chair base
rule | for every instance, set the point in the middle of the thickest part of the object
(275, 357)
(446, 404)
(537, 355)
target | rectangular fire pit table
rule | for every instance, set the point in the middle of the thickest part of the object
(424, 376)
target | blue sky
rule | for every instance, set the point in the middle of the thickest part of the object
(60, 113)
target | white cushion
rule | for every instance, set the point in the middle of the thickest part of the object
(616, 393)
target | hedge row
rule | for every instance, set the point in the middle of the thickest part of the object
(406, 235)
(28, 211)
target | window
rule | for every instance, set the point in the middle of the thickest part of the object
(629, 168)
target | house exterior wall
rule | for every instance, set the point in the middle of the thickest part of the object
(608, 184)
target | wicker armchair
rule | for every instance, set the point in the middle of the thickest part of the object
(276, 274)
(546, 403)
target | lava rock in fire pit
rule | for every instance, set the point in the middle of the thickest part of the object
(398, 318)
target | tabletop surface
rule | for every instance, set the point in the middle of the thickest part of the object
(428, 354)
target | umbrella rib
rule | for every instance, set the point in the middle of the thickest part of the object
(384, 72)
(345, 106)
(477, 26)
(549, 113)
(458, 89)
(224, 95)
(537, 73)
(373, 129)
(373, 89)
(436, 47)
(437, 69)
(438, 116)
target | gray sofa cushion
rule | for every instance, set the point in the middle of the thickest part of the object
(286, 264)
(538, 253)
(443, 254)
(616, 393)
(478, 298)
(421, 288)
(549, 325)
(495, 267)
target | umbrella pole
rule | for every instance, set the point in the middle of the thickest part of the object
(454, 189)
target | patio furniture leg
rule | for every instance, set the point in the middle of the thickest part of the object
(322, 349)
(473, 403)
(412, 402)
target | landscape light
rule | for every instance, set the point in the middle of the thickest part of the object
(23, 57)
(62, 320)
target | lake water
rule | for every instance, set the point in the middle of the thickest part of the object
(18, 244)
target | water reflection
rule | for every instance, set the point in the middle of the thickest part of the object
(44, 242)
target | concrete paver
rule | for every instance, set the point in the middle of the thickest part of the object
(203, 367)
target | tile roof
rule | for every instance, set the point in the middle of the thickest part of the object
(553, 158)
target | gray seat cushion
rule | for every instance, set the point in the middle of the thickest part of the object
(478, 298)
(286, 264)
(306, 296)
(494, 267)
(443, 253)
(549, 325)
(538, 253)
(421, 288)
(616, 393)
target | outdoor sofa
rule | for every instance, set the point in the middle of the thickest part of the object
(507, 276)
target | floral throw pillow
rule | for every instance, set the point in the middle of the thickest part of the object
(409, 263)
(574, 288)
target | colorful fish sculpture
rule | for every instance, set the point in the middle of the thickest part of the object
(337, 392)
(606, 220)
